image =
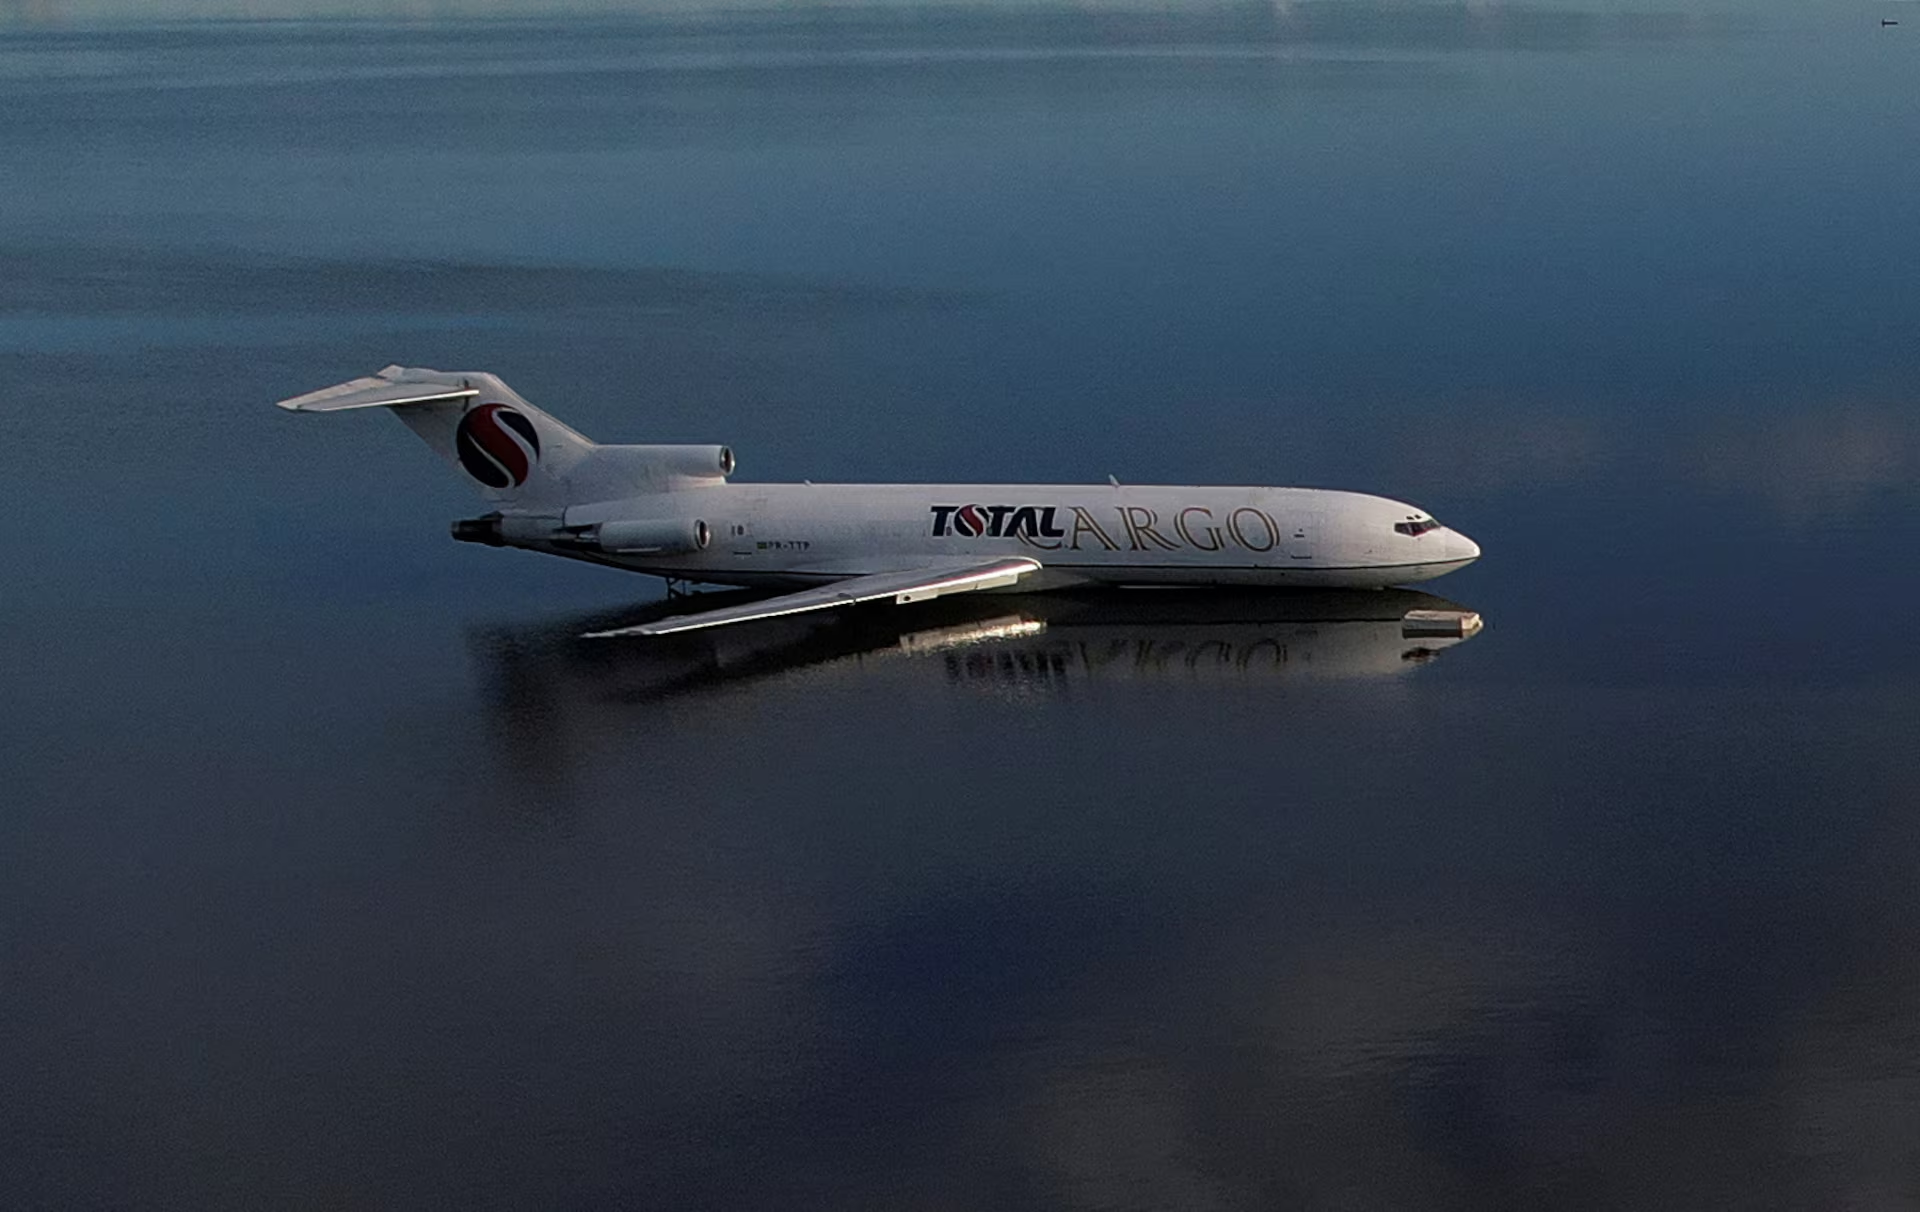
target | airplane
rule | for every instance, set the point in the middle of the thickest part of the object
(672, 511)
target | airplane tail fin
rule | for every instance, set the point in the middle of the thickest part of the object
(518, 457)
(513, 453)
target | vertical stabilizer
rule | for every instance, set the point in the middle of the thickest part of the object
(519, 458)
(514, 455)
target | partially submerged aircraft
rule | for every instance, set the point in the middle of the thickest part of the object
(671, 511)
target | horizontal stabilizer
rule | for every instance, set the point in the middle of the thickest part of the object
(376, 392)
(908, 585)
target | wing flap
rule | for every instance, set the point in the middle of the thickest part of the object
(908, 585)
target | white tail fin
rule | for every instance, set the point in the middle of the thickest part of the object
(513, 453)
(520, 458)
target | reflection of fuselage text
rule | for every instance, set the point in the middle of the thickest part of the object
(1130, 528)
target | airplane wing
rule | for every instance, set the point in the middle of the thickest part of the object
(909, 585)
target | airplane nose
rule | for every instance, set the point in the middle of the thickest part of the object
(1460, 547)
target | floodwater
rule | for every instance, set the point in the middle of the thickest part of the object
(336, 871)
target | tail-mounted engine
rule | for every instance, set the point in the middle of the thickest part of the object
(619, 471)
(647, 536)
(662, 536)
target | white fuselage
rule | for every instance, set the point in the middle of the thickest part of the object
(803, 534)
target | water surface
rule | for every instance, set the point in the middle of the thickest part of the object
(336, 871)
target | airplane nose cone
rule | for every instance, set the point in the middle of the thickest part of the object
(1460, 547)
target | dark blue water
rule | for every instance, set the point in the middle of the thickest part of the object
(335, 872)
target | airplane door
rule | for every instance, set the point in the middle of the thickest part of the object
(1298, 534)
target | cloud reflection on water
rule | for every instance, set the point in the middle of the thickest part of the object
(1798, 463)
(1810, 466)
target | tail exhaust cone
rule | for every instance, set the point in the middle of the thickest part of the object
(479, 530)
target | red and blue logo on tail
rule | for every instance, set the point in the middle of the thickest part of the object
(497, 445)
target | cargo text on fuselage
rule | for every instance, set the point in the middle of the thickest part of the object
(1122, 528)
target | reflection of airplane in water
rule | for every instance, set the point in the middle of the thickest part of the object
(1033, 639)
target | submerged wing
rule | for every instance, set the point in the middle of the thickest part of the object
(909, 585)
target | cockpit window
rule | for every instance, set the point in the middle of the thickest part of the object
(1416, 529)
